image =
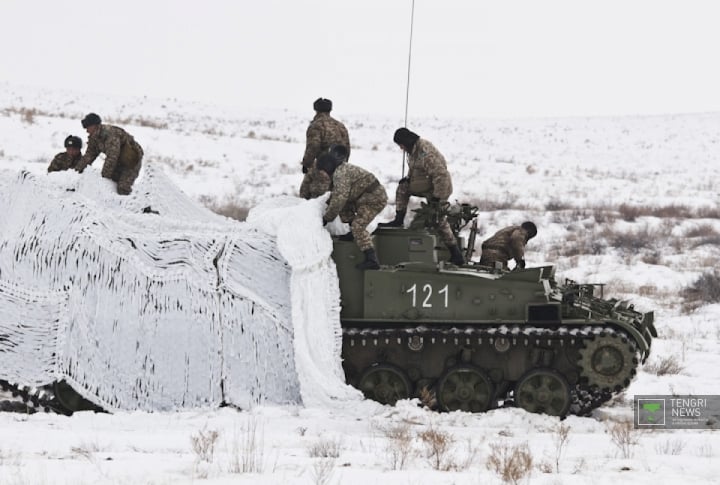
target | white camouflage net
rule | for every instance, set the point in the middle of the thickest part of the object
(180, 309)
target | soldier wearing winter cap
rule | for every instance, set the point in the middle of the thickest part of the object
(69, 158)
(324, 131)
(508, 243)
(357, 197)
(123, 155)
(428, 177)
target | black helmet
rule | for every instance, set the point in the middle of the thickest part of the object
(91, 120)
(530, 228)
(330, 160)
(322, 105)
(73, 141)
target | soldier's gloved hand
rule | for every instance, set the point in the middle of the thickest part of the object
(404, 180)
(325, 221)
(521, 263)
(304, 169)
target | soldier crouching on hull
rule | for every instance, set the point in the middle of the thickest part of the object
(69, 158)
(123, 155)
(357, 197)
(323, 132)
(428, 177)
(508, 243)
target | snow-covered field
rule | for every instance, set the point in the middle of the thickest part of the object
(632, 202)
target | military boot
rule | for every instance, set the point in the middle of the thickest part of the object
(456, 256)
(397, 222)
(371, 261)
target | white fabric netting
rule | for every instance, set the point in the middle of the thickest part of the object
(170, 308)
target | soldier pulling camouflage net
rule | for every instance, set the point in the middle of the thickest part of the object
(357, 197)
(69, 158)
(123, 155)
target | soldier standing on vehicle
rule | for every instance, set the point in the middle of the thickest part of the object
(69, 158)
(508, 243)
(357, 197)
(123, 155)
(428, 177)
(324, 131)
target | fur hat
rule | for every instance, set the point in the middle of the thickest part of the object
(531, 229)
(330, 160)
(91, 120)
(405, 137)
(322, 105)
(73, 141)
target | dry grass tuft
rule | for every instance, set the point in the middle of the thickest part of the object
(399, 447)
(203, 444)
(561, 437)
(325, 448)
(248, 448)
(670, 447)
(438, 445)
(623, 436)
(704, 290)
(664, 366)
(510, 463)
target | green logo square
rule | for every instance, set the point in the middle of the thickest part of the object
(651, 412)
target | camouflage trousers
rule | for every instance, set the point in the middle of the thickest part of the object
(361, 213)
(125, 177)
(315, 183)
(490, 256)
(402, 198)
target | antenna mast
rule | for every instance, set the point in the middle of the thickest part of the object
(407, 89)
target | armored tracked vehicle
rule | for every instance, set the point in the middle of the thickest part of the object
(472, 338)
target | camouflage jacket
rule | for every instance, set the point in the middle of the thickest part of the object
(120, 149)
(509, 241)
(426, 161)
(63, 161)
(324, 130)
(349, 183)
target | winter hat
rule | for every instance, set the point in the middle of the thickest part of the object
(73, 141)
(334, 157)
(405, 137)
(91, 120)
(322, 105)
(530, 228)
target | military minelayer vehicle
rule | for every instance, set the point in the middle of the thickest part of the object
(473, 338)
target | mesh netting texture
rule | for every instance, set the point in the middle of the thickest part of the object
(152, 302)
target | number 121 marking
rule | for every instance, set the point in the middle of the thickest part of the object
(427, 290)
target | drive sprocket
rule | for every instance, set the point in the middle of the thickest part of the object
(608, 361)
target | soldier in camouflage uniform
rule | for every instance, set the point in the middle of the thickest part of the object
(508, 243)
(123, 155)
(357, 197)
(428, 177)
(69, 158)
(324, 131)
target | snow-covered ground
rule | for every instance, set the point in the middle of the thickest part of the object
(632, 202)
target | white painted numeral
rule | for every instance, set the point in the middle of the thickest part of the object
(445, 292)
(428, 291)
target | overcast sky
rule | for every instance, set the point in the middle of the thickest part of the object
(469, 57)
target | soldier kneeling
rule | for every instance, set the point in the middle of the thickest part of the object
(356, 196)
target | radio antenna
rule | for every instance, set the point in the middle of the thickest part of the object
(407, 89)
